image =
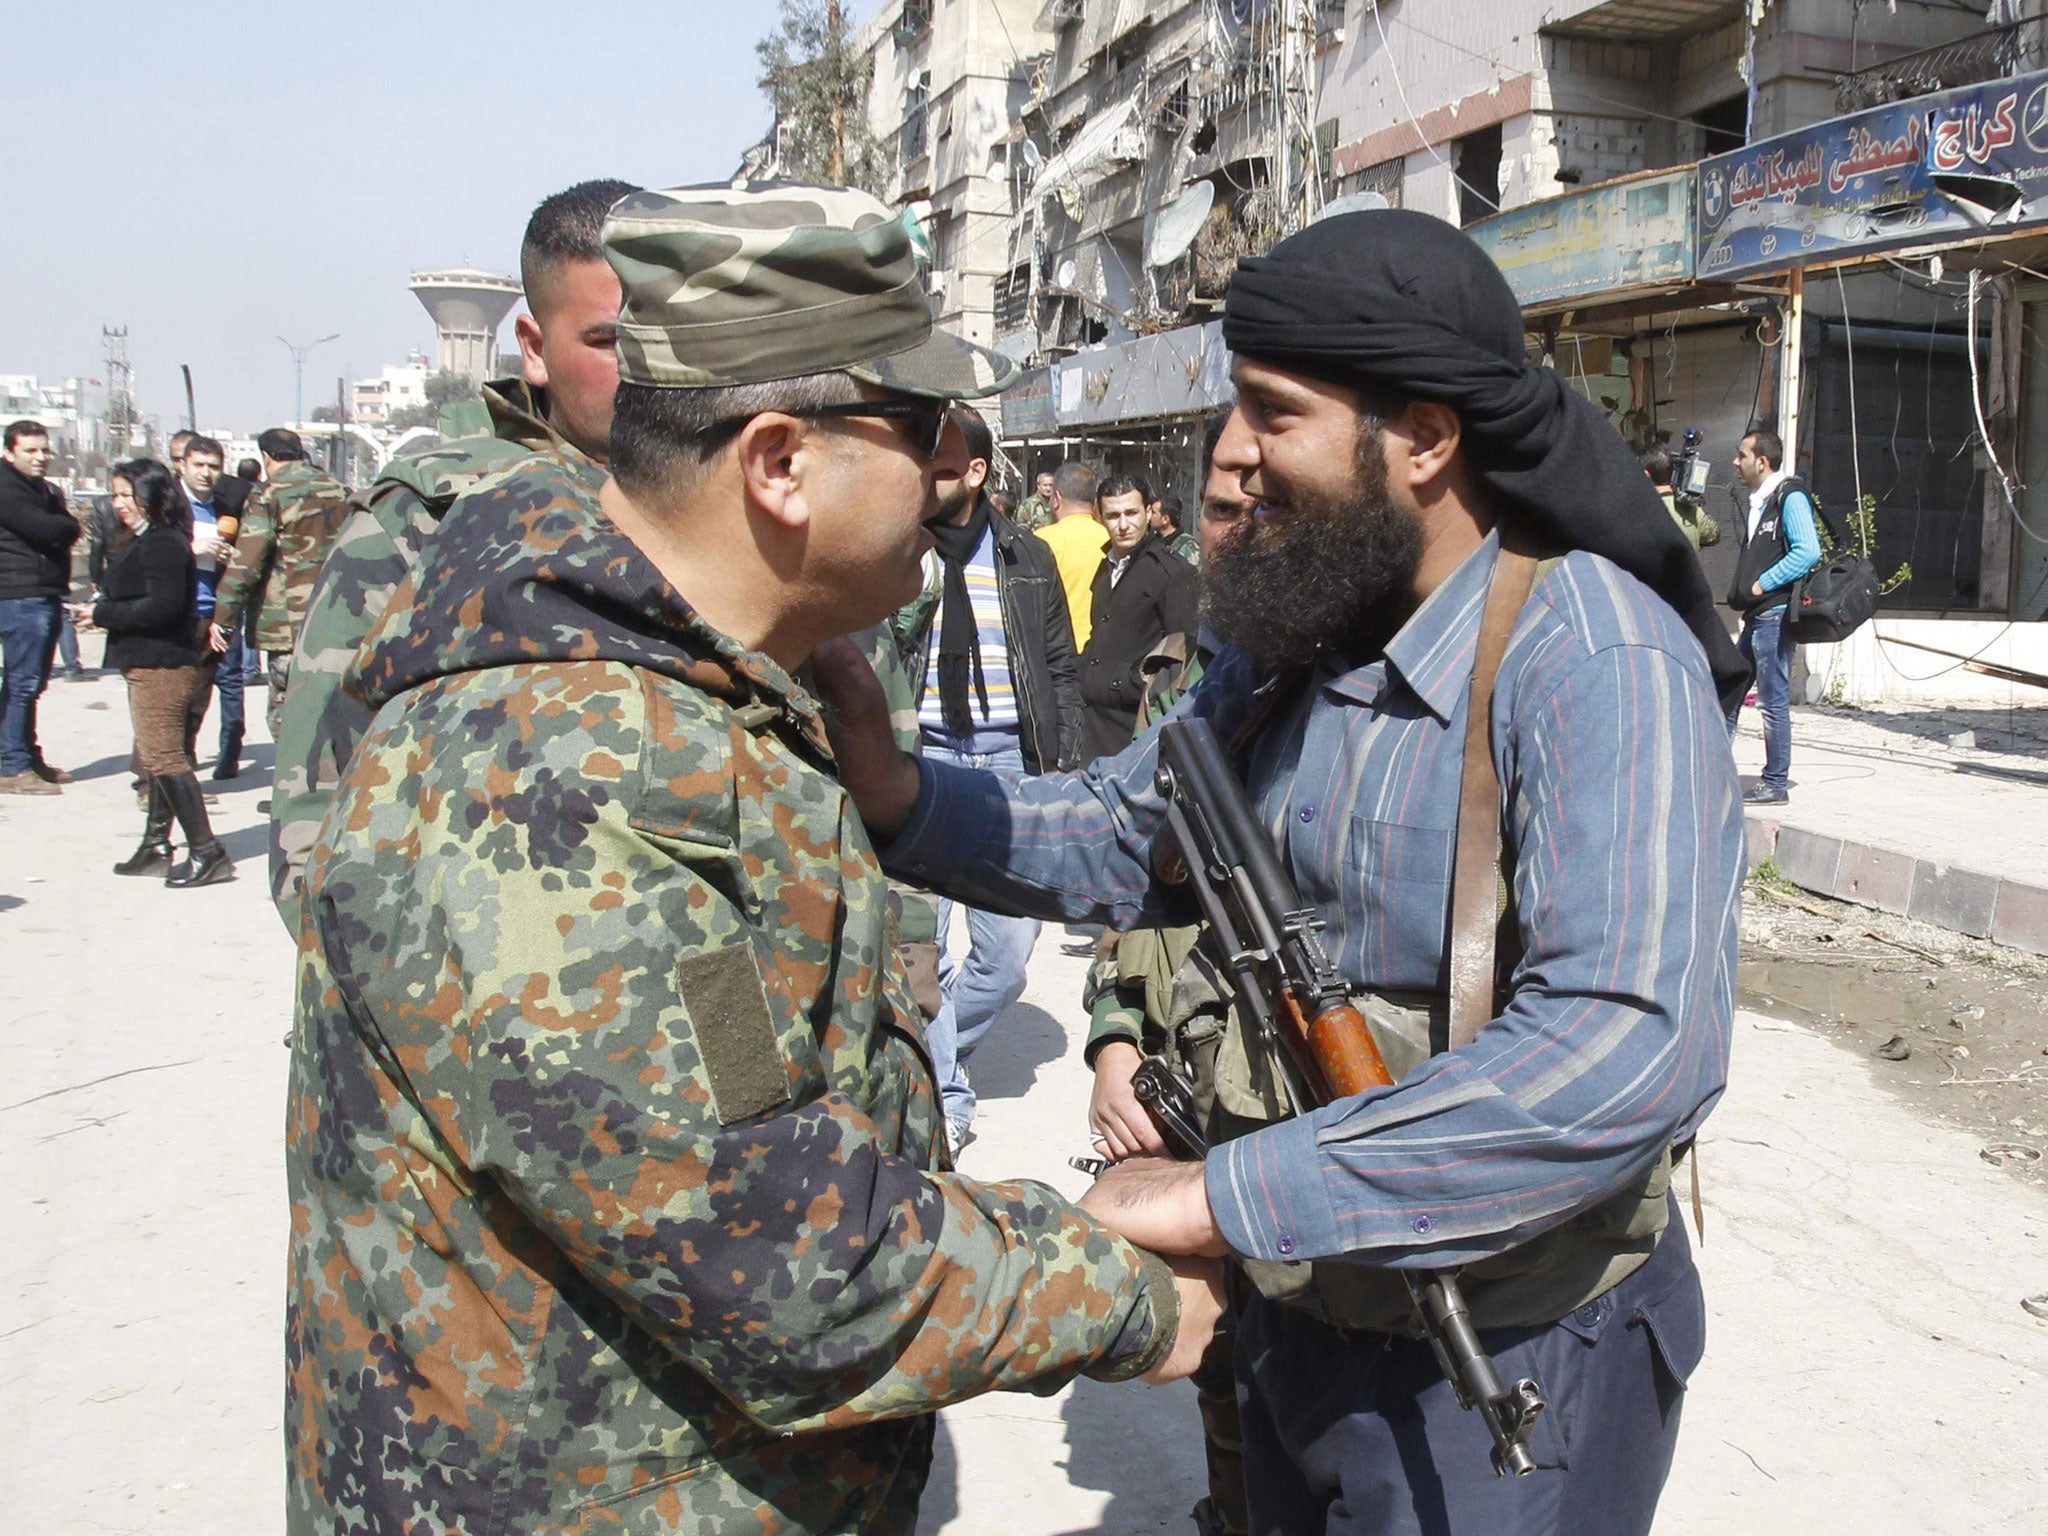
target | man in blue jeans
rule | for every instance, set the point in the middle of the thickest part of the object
(999, 689)
(1782, 545)
(36, 535)
(200, 473)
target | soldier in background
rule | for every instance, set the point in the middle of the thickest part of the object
(1694, 521)
(285, 530)
(1035, 511)
(561, 405)
(619, 1186)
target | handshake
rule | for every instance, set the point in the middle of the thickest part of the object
(1164, 1206)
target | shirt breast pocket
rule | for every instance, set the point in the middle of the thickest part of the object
(1401, 881)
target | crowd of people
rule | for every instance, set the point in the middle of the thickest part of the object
(665, 729)
(178, 566)
(637, 755)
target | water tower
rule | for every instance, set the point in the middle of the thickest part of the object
(466, 305)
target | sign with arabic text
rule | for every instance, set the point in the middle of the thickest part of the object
(1620, 235)
(1865, 183)
(1027, 406)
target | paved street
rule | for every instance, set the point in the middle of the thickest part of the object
(1869, 1368)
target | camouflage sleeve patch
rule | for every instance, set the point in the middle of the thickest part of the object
(728, 1010)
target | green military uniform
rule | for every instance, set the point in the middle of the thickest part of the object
(286, 528)
(1033, 513)
(620, 1193)
(369, 557)
(1188, 547)
(1154, 990)
(1694, 520)
(1128, 988)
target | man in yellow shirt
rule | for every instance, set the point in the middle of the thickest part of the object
(1078, 539)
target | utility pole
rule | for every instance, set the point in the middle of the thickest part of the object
(340, 431)
(1297, 158)
(299, 373)
(835, 82)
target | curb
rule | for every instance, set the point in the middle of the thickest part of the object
(1966, 901)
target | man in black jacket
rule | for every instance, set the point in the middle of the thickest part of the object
(1143, 593)
(36, 535)
(996, 690)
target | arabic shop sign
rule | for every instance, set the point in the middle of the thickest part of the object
(1865, 183)
(1622, 234)
(1027, 406)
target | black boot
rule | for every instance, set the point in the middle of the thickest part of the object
(206, 862)
(230, 762)
(155, 852)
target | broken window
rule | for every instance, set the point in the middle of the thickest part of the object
(1477, 160)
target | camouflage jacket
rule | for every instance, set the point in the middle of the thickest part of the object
(286, 528)
(1033, 513)
(620, 1196)
(371, 555)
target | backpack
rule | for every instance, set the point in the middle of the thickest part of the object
(1836, 597)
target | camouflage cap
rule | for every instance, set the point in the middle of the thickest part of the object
(726, 285)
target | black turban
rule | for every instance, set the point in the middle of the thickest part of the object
(1403, 301)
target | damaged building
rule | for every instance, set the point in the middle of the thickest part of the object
(1145, 146)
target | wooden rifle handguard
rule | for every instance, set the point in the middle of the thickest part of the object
(1340, 1043)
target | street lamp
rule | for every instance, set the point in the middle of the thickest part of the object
(299, 373)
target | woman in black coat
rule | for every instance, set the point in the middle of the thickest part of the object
(147, 608)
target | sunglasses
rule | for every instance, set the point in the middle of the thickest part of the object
(926, 419)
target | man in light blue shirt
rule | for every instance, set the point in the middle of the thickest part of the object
(1781, 545)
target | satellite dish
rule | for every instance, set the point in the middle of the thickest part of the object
(1357, 202)
(1029, 151)
(1064, 277)
(1177, 224)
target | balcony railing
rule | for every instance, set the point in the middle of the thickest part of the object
(1990, 55)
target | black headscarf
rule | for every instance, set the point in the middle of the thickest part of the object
(1403, 301)
(959, 635)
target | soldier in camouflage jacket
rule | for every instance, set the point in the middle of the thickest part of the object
(613, 1152)
(286, 528)
(370, 556)
(620, 1195)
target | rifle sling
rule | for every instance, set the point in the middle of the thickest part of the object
(1475, 874)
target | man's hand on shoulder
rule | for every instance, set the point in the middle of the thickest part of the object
(1157, 1204)
(881, 778)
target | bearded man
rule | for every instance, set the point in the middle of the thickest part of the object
(1408, 462)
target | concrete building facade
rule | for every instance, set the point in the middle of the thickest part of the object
(951, 80)
(74, 412)
(396, 387)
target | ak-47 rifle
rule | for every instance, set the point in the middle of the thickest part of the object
(1303, 1024)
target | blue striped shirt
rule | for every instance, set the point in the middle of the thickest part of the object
(985, 595)
(1621, 801)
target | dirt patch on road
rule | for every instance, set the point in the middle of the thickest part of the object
(1955, 1026)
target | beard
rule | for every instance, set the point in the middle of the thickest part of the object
(1334, 570)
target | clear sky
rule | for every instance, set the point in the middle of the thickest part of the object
(216, 173)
